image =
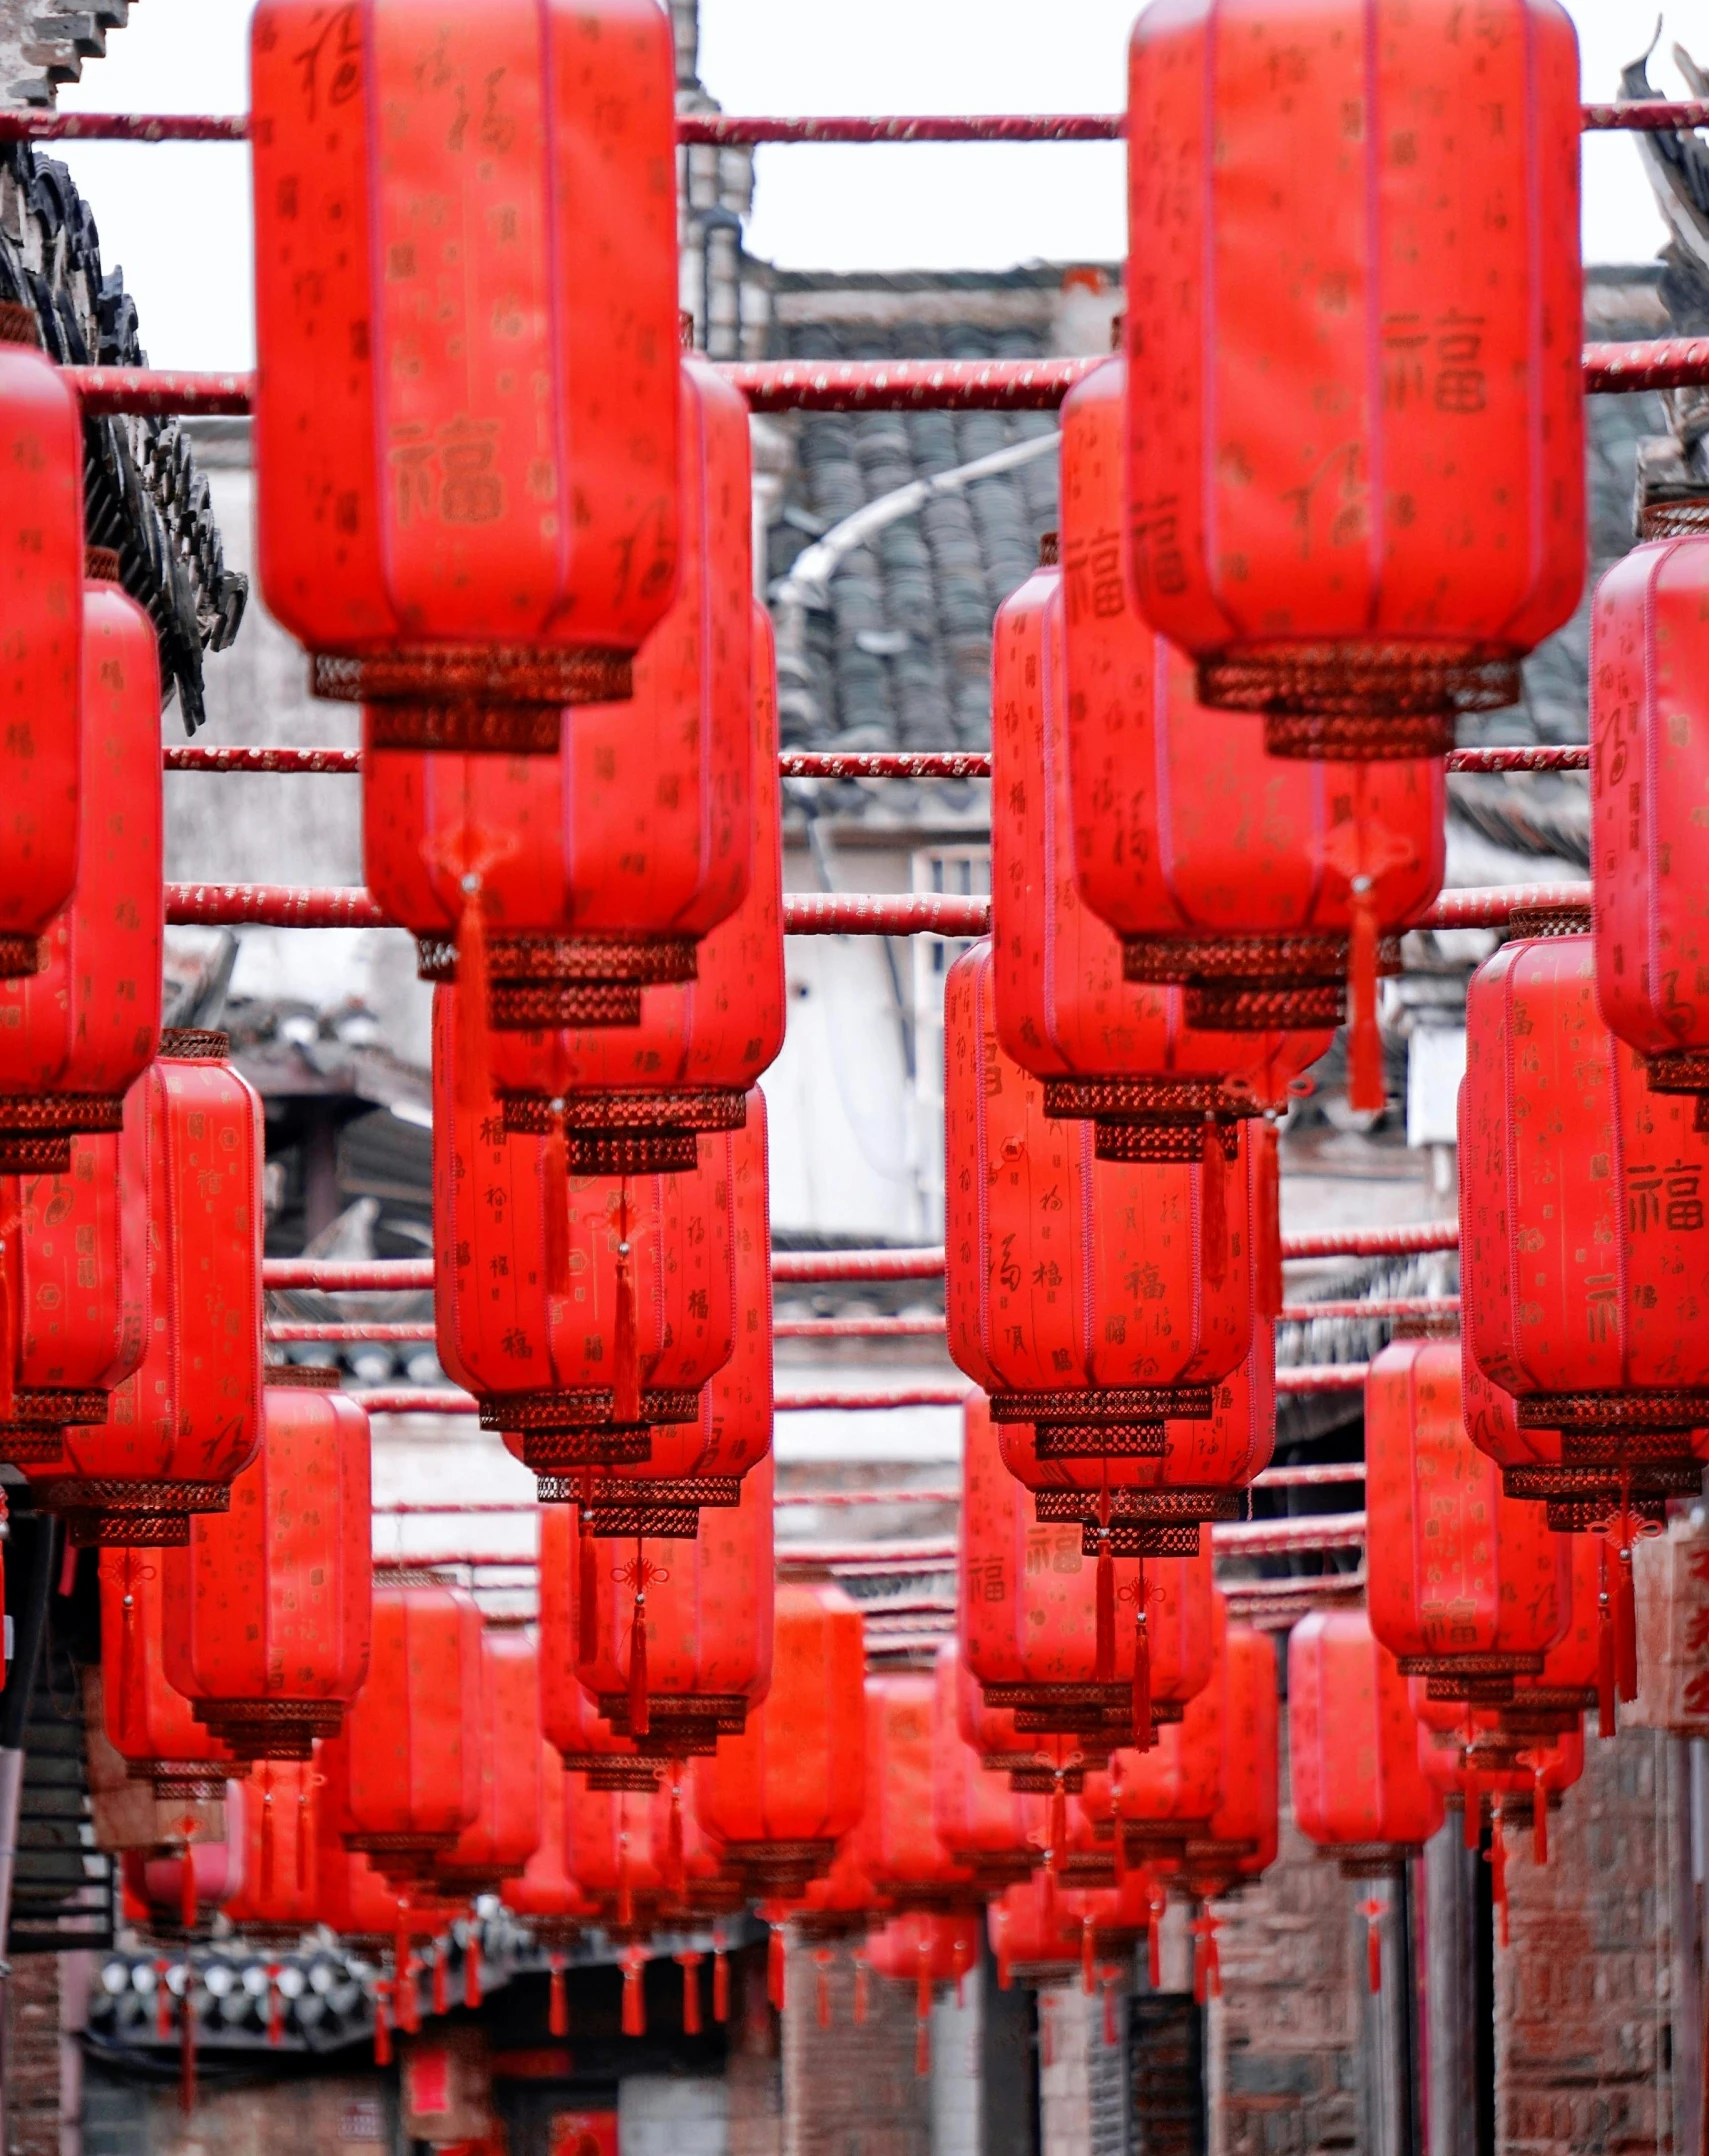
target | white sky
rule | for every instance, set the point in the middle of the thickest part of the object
(177, 216)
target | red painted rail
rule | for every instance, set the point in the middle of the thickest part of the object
(924, 1263)
(729, 130)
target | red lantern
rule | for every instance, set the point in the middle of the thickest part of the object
(986, 1824)
(1201, 1473)
(897, 1843)
(584, 1743)
(267, 1611)
(779, 1798)
(592, 874)
(840, 1905)
(74, 1287)
(1090, 1298)
(1037, 1931)
(1373, 543)
(216, 1878)
(543, 1894)
(679, 1648)
(641, 1859)
(352, 1897)
(1122, 1054)
(41, 631)
(76, 1035)
(1648, 744)
(1584, 1261)
(187, 1422)
(1265, 888)
(579, 1309)
(1489, 1772)
(506, 1830)
(632, 1098)
(1353, 1746)
(410, 1758)
(1468, 1588)
(1071, 1644)
(1037, 1764)
(149, 1724)
(700, 1463)
(276, 1812)
(466, 309)
(1244, 1831)
(1557, 1696)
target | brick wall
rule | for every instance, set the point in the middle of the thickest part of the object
(1065, 2037)
(849, 2087)
(1585, 1991)
(33, 2057)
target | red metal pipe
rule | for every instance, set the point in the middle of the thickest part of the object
(1378, 1306)
(124, 127)
(1279, 1538)
(868, 764)
(925, 1263)
(1410, 1241)
(271, 905)
(452, 1400)
(854, 913)
(1321, 1376)
(349, 1335)
(348, 1276)
(1492, 906)
(343, 761)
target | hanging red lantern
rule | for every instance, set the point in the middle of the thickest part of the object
(1037, 1932)
(587, 876)
(678, 1647)
(187, 1422)
(1092, 1299)
(41, 632)
(77, 1033)
(840, 1905)
(1647, 758)
(1558, 1695)
(1036, 1764)
(1372, 545)
(506, 1830)
(74, 1288)
(579, 1310)
(467, 464)
(149, 1723)
(267, 1611)
(410, 1759)
(1353, 1745)
(896, 1842)
(584, 1742)
(642, 1859)
(1566, 1152)
(779, 1798)
(352, 1896)
(1267, 889)
(276, 1814)
(1492, 1775)
(695, 1464)
(988, 1826)
(216, 1878)
(925, 1950)
(1074, 1645)
(1119, 1053)
(1244, 1832)
(632, 1098)
(1468, 1587)
(543, 1894)
(1202, 1473)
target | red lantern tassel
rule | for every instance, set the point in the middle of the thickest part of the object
(303, 1838)
(1213, 1961)
(1266, 1220)
(639, 1723)
(1213, 1205)
(1058, 1827)
(1154, 1938)
(1498, 1873)
(1372, 1912)
(922, 2042)
(1142, 1731)
(1539, 1819)
(1625, 1627)
(634, 1998)
(1365, 1088)
(275, 2006)
(720, 1981)
(822, 1986)
(1112, 2035)
(187, 1895)
(441, 1977)
(1088, 1957)
(1104, 1603)
(1005, 1973)
(587, 1585)
(382, 2025)
(775, 1979)
(958, 1961)
(675, 1865)
(923, 2004)
(1606, 1719)
(626, 1330)
(557, 1999)
(187, 2044)
(472, 1993)
(862, 1979)
(267, 1864)
(162, 2003)
(474, 1063)
(690, 1967)
(408, 2000)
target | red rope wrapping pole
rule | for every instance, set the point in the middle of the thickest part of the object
(925, 1263)
(343, 761)
(730, 130)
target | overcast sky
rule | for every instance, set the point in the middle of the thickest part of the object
(177, 216)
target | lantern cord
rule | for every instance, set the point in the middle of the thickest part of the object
(187, 2043)
(305, 1788)
(923, 1998)
(1213, 1205)
(162, 2002)
(720, 1979)
(1539, 1817)
(1606, 1715)
(625, 1893)
(1111, 2033)
(1104, 1599)
(1372, 1911)
(474, 1064)
(689, 1964)
(1005, 1972)
(1625, 1617)
(639, 1721)
(557, 1998)
(1498, 1869)
(472, 1993)
(127, 1642)
(626, 1342)
(268, 1865)
(382, 2026)
(1365, 1088)
(675, 1869)
(822, 1986)
(1088, 1957)
(862, 1977)
(958, 1962)
(634, 1998)
(187, 1896)
(1266, 1223)
(776, 1977)
(1142, 1731)
(1207, 1961)
(587, 1583)
(1155, 1913)
(1058, 1826)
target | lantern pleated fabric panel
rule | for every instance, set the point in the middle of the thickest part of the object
(467, 467)
(1373, 544)
(1353, 1744)
(506, 1829)
(150, 1724)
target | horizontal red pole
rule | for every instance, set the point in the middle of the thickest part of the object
(811, 764)
(925, 1263)
(1378, 1306)
(871, 385)
(291, 1334)
(900, 1555)
(1410, 1241)
(271, 905)
(1278, 1538)
(348, 1276)
(452, 1400)
(879, 1326)
(1492, 906)
(1310, 1478)
(730, 130)
(1321, 1377)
